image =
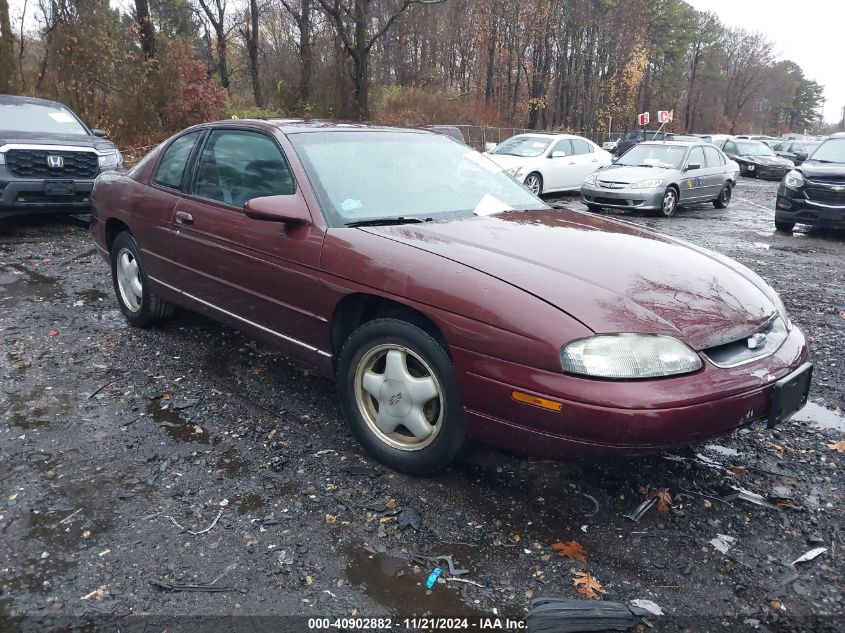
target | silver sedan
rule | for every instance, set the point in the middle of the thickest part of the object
(659, 176)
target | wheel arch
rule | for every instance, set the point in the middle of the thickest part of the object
(113, 228)
(358, 308)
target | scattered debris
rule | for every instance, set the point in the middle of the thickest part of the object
(208, 529)
(723, 542)
(652, 607)
(453, 570)
(587, 585)
(432, 577)
(813, 553)
(70, 516)
(178, 586)
(595, 503)
(664, 499)
(184, 403)
(465, 580)
(158, 472)
(277, 464)
(839, 446)
(572, 549)
(53, 333)
(409, 517)
(558, 615)
(751, 497)
(363, 471)
(637, 513)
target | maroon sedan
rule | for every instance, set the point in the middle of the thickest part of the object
(446, 300)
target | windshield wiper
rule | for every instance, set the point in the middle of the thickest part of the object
(400, 219)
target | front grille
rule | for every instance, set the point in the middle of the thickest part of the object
(614, 201)
(764, 341)
(32, 163)
(826, 196)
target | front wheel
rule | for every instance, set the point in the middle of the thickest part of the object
(670, 203)
(724, 198)
(534, 182)
(786, 227)
(398, 391)
(593, 207)
(137, 302)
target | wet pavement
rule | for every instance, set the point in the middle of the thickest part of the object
(190, 454)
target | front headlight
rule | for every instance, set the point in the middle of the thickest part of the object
(515, 171)
(109, 159)
(591, 179)
(794, 179)
(624, 356)
(2, 158)
(781, 309)
(647, 184)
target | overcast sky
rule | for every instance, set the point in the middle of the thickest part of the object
(808, 32)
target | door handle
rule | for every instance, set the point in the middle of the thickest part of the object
(595, 160)
(183, 217)
(572, 162)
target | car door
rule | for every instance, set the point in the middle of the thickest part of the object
(557, 168)
(694, 181)
(730, 149)
(260, 273)
(585, 159)
(717, 173)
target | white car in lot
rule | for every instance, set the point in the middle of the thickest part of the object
(550, 162)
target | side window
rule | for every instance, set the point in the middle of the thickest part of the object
(580, 147)
(730, 147)
(712, 157)
(563, 146)
(696, 156)
(237, 165)
(172, 165)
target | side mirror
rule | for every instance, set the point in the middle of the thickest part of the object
(489, 147)
(692, 166)
(99, 133)
(558, 154)
(614, 159)
(285, 209)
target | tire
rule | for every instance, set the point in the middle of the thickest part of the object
(724, 198)
(534, 182)
(786, 227)
(137, 302)
(401, 358)
(743, 170)
(593, 207)
(669, 206)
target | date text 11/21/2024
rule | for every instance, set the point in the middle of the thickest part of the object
(483, 623)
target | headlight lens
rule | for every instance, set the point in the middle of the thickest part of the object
(794, 179)
(110, 159)
(591, 179)
(515, 171)
(2, 158)
(624, 356)
(647, 184)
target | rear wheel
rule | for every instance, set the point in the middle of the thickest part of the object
(398, 391)
(534, 182)
(593, 207)
(724, 198)
(137, 302)
(786, 227)
(670, 203)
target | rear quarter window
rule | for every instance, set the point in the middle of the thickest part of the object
(172, 166)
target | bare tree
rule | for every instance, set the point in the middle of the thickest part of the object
(301, 12)
(215, 11)
(351, 19)
(250, 33)
(8, 73)
(145, 29)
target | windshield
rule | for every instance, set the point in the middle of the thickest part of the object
(831, 151)
(362, 176)
(525, 146)
(632, 136)
(645, 155)
(39, 118)
(754, 149)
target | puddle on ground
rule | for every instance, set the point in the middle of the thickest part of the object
(36, 576)
(175, 425)
(54, 407)
(232, 465)
(249, 502)
(26, 284)
(391, 582)
(820, 417)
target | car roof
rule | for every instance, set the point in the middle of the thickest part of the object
(677, 143)
(15, 100)
(837, 135)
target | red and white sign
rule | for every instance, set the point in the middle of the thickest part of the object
(665, 116)
(643, 118)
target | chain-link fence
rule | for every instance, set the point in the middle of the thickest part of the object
(478, 136)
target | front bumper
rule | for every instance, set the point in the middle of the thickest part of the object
(767, 171)
(645, 199)
(23, 196)
(795, 205)
(618, 417)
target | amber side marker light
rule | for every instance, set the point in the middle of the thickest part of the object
(527, 398)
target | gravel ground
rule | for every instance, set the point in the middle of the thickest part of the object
(188, 454)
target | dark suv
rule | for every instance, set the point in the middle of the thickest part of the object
(814, 192)
(634, 137)
(48, 158)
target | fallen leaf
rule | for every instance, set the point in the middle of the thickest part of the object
(738, 470)
(572, 549)
(586, 585)
(707, 504)
(309, 580)
(387, 519)
(664, 499)
(839, 446)
(54, 332)
(516, 538)
(331, 519)
(778, 447)
(257, 370)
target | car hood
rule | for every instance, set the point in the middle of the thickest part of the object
(507, 162)
(630, 175)
(768, 160)
(40, 138)
(609, 275)
(815, 169)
